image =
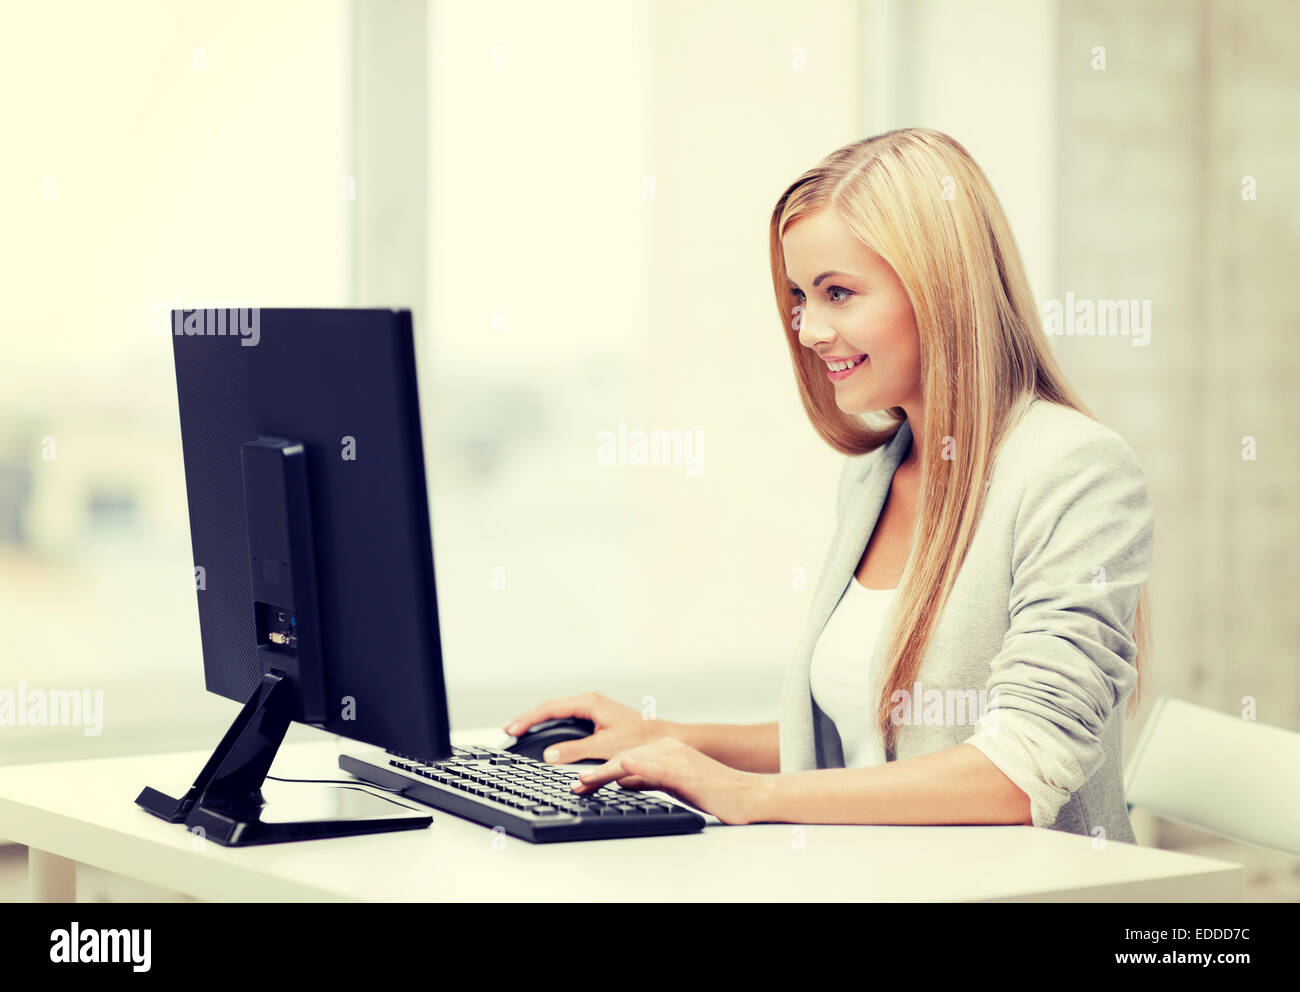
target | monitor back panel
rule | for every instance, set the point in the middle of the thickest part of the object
(343, 383)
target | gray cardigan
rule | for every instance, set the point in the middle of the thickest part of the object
(1040, 617)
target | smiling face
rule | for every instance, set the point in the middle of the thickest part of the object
(855, 309)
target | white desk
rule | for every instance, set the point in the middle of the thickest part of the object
(84, 811)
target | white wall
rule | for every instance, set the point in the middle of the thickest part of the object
(655, 309)
(984, 73)
(196, 153)
(607, 183)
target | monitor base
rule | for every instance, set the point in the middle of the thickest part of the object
(227, 802)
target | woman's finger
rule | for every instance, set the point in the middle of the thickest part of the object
(636, 782)
(593, 778)
(579, 749)
(552, 709)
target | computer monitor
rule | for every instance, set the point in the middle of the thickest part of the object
(304, 475)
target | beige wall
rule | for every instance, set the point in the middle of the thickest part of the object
(1153, 153)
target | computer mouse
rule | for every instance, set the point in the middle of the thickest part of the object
(537, 738)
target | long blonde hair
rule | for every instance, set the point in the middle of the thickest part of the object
(917, 199)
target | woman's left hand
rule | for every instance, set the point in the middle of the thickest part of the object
(678, 769)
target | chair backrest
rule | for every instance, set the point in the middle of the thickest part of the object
(1236, 778)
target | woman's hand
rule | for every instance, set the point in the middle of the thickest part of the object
(670, 766)
(618, 727)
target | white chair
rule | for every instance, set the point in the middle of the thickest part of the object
(1236, 778)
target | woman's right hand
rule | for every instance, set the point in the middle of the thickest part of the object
(618, 727)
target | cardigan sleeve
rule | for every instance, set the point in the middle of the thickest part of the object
(1081, 551)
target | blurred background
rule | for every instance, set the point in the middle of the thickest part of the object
(572, 198)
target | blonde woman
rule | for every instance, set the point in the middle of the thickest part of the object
(976, 627)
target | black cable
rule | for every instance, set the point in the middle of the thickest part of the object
(337, 781)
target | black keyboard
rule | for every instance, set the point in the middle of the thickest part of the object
(527, 798)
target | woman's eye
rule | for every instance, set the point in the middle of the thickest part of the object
(798, 293)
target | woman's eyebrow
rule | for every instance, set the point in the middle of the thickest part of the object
(818, 281)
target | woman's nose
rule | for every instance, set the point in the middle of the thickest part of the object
(813, 332)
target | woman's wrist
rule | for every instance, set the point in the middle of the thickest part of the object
(748, 748)
(761, 789)
(684, 732)
(763, 797)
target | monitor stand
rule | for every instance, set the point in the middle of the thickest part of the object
(227, 804)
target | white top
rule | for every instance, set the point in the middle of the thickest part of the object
(840, 675)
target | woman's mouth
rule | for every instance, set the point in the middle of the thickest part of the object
(844, 368)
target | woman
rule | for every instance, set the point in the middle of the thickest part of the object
(977, 624)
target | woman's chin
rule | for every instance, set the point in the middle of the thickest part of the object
(852, 405)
